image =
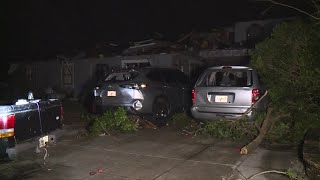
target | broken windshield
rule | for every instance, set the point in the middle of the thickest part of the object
(223, 78)
(122, 76)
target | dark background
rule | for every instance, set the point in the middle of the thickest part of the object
(43, 28)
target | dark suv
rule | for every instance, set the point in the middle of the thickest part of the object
(150, 90)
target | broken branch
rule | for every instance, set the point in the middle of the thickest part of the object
(266, 125)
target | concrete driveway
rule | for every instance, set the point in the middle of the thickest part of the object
(148, 154)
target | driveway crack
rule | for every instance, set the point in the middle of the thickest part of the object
(183, 161)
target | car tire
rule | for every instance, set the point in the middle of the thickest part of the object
(160, 111)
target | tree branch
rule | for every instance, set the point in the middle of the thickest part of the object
(295, 8)
(267, 123)
(265, 172)
(317, 6)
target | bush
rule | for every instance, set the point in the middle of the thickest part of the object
(239, 129)
(182, 121)
(112, 121)
(289, 65)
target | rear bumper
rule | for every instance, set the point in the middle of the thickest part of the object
(98, 108)
(5, 143)
(207, 115)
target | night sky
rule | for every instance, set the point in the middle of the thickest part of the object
(40, 29)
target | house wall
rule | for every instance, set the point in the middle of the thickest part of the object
(85, 72)
(47, 74)
(50, 74)
(85, 69)
(35, 76)
(157, 60)
(240, 28)
(187, 64)
(227, 61)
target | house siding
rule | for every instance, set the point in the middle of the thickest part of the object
(49, 73)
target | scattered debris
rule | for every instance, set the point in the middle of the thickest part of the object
(141, 122)
(95, 172)
(82, 133)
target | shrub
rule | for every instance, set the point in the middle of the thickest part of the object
(289, 65)
(238, 129)
(181, 121)
(112, 121)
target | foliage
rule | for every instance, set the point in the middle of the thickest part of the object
(182, 121)
(117, 120)
(238, 129)
(230, 129)
(294, 175)
(288, 62)
(87, 117)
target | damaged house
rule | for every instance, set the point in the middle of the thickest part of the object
(77, 76)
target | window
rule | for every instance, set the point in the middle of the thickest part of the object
(67, 74)
(231, 78)
(122, 76)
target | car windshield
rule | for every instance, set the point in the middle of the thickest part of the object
(226, 78)
(122, 76)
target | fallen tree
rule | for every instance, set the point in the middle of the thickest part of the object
(288, 64)
(268, 122)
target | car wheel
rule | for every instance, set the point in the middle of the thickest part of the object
(161, 111)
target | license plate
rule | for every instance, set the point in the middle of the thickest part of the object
(112, 93)
(221, 99)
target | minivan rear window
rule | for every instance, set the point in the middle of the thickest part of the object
(121, 76)
(226, 78)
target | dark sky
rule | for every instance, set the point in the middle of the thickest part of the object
(45, 27)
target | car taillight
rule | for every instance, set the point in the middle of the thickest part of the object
(256, 93)
(193, 93)
(7, 126)
(61, 113)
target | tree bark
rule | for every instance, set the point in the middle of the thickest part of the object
(266, 125)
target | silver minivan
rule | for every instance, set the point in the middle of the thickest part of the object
(228, 92)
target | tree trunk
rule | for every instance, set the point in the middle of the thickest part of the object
(266, 125)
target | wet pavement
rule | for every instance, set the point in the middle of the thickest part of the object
(148, 154)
